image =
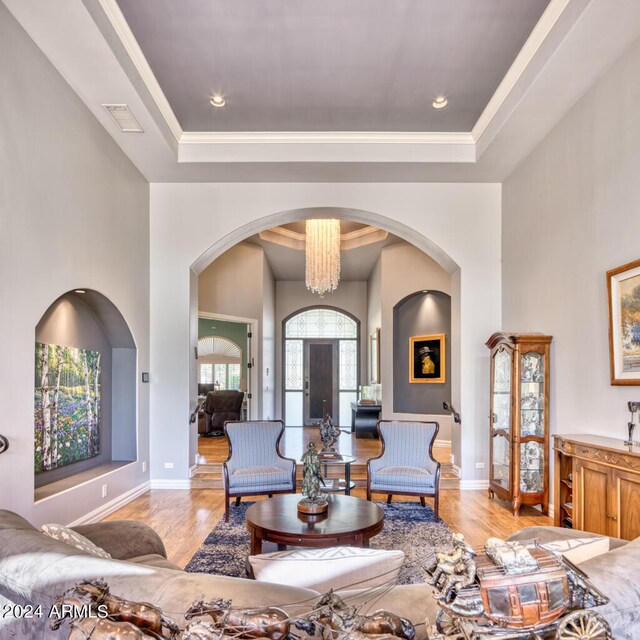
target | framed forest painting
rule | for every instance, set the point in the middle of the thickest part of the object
(623, 285)
(67, 405)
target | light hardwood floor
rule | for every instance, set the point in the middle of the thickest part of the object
(184, 518)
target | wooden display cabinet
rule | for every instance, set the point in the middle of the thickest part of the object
(519, 419)
(605, 475)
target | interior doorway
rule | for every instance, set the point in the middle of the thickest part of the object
(321, 380)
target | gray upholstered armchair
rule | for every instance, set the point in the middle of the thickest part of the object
(406, 465)
(255, 465)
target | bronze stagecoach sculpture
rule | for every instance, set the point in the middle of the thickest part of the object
(514, 591)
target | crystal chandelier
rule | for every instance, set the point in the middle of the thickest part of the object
(322, 254)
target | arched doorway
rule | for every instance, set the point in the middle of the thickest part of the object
(320, 371)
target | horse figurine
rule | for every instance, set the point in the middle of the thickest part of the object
(266, 622)
(96, 593)
(201, 630)
(333, 612)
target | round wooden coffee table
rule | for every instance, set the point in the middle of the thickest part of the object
(349, 521)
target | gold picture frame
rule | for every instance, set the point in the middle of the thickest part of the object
(427, 359)
(623, 286)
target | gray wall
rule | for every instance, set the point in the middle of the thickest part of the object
(418, 315)
(74, 214)
(572, 212)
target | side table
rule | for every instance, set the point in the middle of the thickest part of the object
(339, 484)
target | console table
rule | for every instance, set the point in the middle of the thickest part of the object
(364, 418)
(597, 485)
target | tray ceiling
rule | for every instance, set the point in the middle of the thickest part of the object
(361, 65)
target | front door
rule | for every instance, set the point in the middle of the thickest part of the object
(320, 380)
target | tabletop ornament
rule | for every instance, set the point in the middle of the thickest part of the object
(114, 618)
(329, 434)
(314, 501)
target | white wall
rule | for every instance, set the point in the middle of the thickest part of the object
(293, 295)
(457, 224)
(404, 269)
(268, 344)
(572, 212)
(74, 213)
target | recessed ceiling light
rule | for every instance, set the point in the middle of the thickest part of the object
(218, 101)
(440, 102)
(79, 291)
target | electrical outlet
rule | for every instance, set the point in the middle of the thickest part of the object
(479, 465)
(104, 490)
(168, 465)
(144, 466)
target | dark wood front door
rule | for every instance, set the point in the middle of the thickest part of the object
(320, 380)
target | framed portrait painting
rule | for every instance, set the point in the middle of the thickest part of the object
(427, 359)
(623, 285)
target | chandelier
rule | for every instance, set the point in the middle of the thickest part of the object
(322, 255)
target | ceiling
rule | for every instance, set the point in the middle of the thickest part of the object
(331, 91)
(355, 263)
(359, 65)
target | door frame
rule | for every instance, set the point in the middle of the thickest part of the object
(283, 344)
(252, 357)
(307, 421)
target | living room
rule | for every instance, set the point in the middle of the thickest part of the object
(526, 206)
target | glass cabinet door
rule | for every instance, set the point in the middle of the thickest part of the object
(532, 427)
(501, 418)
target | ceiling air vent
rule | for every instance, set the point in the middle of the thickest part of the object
(124, 118)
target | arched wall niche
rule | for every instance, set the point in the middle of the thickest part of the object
(418, 314)
(86, 319)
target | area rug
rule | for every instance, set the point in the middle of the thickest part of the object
(407, 526)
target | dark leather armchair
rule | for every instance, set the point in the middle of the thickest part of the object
(218, 407)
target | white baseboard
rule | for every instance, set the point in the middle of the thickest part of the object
(113, 505)
(442, 443)
(474, 485)
(192, 470)
(170, 484)
(456, 470)
(552, 511)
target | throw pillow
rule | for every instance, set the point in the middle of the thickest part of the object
(578, 550)
(332, 568)
(74, 539)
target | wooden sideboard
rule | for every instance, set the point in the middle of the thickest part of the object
(597, 485)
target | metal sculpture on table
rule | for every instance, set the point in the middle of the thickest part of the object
(4, 444)
(96, 595)
(265, 622)
(332, 614)
(314, 501)
(514, 591)
(329, 434)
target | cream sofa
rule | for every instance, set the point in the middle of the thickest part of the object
(34, 569)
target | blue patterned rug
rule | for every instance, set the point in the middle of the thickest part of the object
(407, 526)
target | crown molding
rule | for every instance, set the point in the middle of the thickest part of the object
(129, 42)
(523, 60)
(326, 137)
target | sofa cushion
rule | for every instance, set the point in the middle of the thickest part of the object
(331, 568)
(73, 538)
(123, 539)
(615, 574)
(155, 560)
(577, 550)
